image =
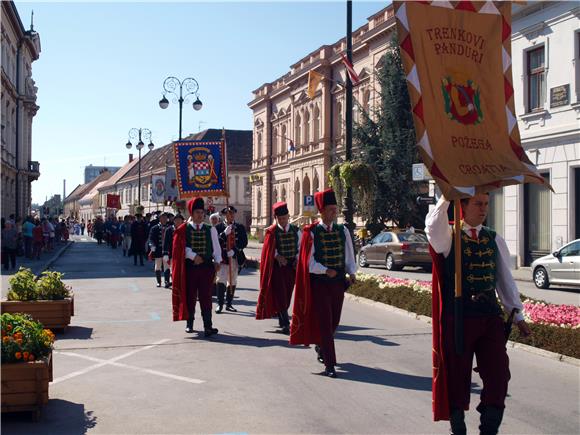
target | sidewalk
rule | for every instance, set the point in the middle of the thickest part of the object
(37, 266)
(521, 274)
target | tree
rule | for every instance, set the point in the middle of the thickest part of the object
(386, 139)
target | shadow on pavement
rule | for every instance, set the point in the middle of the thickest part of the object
(75, 333)
(358, 373)
(241, 340)
(58, 417)
(376, 339)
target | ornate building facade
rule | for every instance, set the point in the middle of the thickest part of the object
(298, 139)
(20, 48)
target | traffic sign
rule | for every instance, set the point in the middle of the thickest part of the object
(426, 200)
(308, 205)
(420, 172)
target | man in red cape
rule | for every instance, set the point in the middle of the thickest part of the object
(278, 268)
(485, 271)
(196, 256)
(326, 256)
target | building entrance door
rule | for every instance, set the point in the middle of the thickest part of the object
(537, 221)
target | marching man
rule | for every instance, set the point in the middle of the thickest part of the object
(233, 240)
(326, 257)
(195, 261)
(278, 268)
(485, 270)
(160, 246)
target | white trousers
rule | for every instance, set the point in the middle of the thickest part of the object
(161, 262)
(223, 276)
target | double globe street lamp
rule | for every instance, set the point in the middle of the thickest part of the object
(170, 86)
(139, 134)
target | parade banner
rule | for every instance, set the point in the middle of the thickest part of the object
(171, 192)
(158, 188)
(200, 168)
(113, 201)
(457, 60)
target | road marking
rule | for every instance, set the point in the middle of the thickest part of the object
(155, 316)
(134, 287)
(113, 362)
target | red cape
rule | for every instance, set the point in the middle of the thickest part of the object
(266, 308)
(440, 393)
(179, 292)
(304, 328)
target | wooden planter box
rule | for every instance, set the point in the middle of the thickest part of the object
(25, 385)
(52, 314)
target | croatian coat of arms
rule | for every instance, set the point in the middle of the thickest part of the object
(201, 168)
(462, 100)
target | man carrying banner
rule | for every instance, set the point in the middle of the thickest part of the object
(196, 259)
(158, 242)
(278, 268)
(326, 257)
(233, 240)
(485, 270)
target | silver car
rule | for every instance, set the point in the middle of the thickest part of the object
(562, 267)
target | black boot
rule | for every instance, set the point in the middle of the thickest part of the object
(189, 325)
(319, 354)
(221, 293)
(158, 277)
(230, 299)
(166, 276)
(284, 322)
(207, 325)
(457, 422)
(490, 419)
(330, 372)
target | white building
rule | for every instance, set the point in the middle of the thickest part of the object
(546, 71)
(20, 48)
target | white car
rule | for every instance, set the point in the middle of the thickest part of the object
(562, 267)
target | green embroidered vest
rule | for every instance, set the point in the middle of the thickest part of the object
(479, 269)
(329, 246)
(200, 241)
(287, 242)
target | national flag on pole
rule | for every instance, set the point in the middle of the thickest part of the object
(350, 70)
(314, 78)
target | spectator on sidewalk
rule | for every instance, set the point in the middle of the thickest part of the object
(27, 228)
(82, 227)
(37, 240)
(9, 245)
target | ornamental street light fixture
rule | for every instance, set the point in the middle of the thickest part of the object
(134, 135)
(170, 86)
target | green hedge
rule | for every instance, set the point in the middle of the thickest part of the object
(563, 341)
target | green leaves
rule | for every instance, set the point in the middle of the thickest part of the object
(51, 287)
(24, 286)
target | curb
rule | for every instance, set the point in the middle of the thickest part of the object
(55, 257)
(512, 344)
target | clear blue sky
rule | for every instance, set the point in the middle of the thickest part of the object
(102, 66)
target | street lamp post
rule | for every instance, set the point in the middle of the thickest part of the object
(139, 134)
(348, 203)
(170, 86)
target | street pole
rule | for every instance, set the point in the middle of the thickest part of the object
(348, 205)
(139, 165)
(140, 134)
(170, 86)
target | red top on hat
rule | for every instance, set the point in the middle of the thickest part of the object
(195, 204)
(324, 198)
(280, 208)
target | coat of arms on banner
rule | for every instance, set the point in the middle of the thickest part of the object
(200, 168)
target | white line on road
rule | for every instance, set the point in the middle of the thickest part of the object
(113, 362)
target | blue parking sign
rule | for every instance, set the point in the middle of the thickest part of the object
(308, 200)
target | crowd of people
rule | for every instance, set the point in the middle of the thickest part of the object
(34, 235)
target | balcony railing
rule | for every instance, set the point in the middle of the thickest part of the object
(33, 166)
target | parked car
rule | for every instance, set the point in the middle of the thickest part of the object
(560, 267)
(396, 250)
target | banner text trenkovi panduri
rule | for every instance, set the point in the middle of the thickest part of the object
(456, 41)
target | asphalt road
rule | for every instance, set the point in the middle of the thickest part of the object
(124, 367)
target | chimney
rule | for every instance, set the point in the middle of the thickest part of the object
(130, 157)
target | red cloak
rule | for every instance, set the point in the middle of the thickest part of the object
(179, 292)
(440, 392)
(266, 307)
(304, 328)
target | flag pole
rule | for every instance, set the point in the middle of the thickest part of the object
(227, 191)
(458, 301)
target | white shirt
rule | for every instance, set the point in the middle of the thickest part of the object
(440, 236)
(217, 251)
(286, 229)
(349, 261)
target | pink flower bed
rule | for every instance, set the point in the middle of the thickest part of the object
(565, 316)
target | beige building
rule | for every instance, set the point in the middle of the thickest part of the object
(20, 48)
(283, 113)
(72, 203)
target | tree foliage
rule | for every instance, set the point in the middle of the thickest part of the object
(386, 139)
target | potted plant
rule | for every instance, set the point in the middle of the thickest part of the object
(26, 367)
(47, 299)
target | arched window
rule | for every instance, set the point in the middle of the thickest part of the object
(259, 204)
(306, 127)
(259, 146)
(306, 186)
(275, 195)
(315, 183)
(316, 122)
(297, 130)
(283, 141)
(366, 101)
(338, 122)
(275, 140)
(283, 198)
(296, 197)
